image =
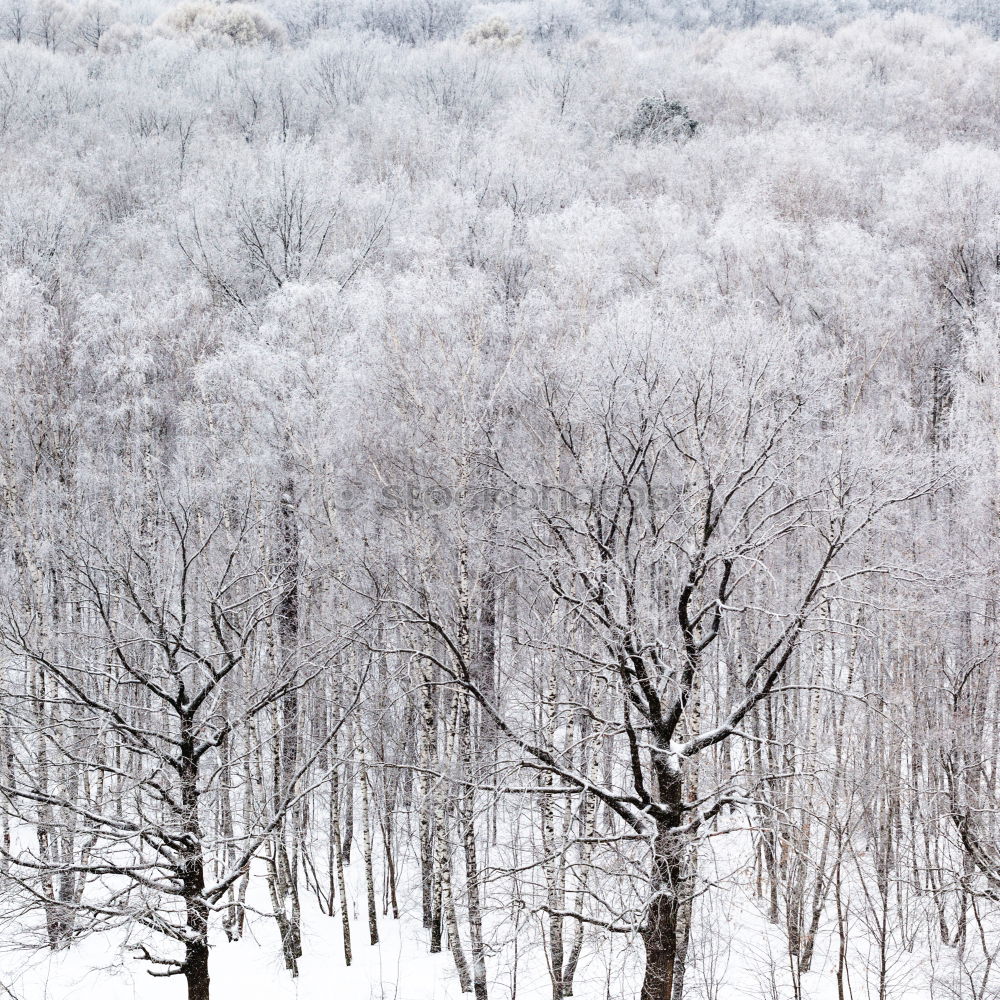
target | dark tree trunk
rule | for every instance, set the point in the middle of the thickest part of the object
(196, 955)
(192, 871)
(660, 934)
(660, 938)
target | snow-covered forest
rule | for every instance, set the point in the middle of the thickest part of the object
(500, 499)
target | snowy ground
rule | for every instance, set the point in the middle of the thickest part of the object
(740, 955)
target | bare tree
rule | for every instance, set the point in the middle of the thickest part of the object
(155, 669)
(679, 492)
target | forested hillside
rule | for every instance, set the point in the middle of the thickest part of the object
(499, 500)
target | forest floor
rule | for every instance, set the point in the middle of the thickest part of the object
(740, 956)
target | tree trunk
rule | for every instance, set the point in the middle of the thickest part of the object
(467, 811)
(283, 870)
(196, 954)
(338, 850)
(659, 936)
(428, 740)
(552, 866)
(348, 836)
(443, 864)
(588, 829)
(467, 794)
(192, 869)
(366, 846)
